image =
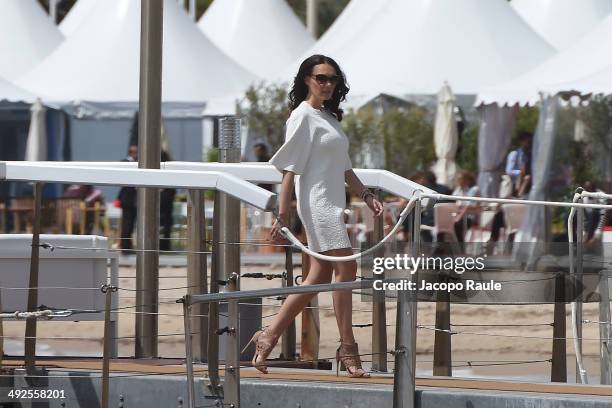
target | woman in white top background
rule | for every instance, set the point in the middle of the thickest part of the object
(315, 155)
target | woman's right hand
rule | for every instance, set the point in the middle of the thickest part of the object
(275, 233)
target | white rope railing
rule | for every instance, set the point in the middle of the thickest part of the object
(405, 212)
(46, 314)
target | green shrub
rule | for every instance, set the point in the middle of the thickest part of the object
(406, 134)
(467, 152)
(266, 112)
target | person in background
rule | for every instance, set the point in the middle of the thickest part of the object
(432, 183)
(518, 165)
(166, 205)
(518, 168)
(127, 202)
(464, 219)
(90, 196)
(261, 155)
(426, 179)
(85, 192)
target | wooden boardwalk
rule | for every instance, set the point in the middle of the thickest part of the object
(123, 366)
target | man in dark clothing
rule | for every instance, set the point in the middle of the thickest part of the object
(127, 199)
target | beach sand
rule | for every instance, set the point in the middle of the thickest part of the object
(465, 347)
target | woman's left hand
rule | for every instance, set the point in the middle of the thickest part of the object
(374, 205)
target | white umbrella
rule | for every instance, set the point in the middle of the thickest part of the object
(36, 147)
(445, 137)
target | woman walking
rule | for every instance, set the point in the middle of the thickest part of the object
(316, 150)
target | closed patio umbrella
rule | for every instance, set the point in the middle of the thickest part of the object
(445, 137)
(36, 146)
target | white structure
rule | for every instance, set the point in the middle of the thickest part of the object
(562, 22)
(264, 36)
(27, 35)
(598, 83)
(10, 92)
(96, 70)
(354, 18)
(71, 273)
(588, 56)
(88, 173)
(76, 15)
(410, 47)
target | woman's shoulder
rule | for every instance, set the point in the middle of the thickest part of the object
(300, 113)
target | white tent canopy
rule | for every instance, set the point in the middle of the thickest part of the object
(96, 70)
(76, 15)
(27, 35)
(411, 47)
(12, 93)
(354, 18)
(598, 83)
(264, 36)
(562, 22)
(587, 56)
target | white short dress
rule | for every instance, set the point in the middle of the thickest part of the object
(316, 150)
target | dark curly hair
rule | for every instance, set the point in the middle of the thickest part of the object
(299, 90)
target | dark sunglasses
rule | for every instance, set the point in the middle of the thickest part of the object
(324, 79)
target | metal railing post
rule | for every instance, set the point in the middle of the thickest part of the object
(311, 325)
(442, 364)
(108, 290)
(213, 307)
(30, 331)
(228, 259)
(404, 378)
(578, 281)
(149, 145)
(197, 269)
(231, 385)
(379, 312)
(188, 352)
(288, 340)
(605, 348)
(558, 367)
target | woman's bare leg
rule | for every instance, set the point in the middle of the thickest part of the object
(319, 272)
(343, 299)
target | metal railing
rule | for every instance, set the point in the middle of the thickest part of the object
(381, 180)
(405, 357)
(406, 324)
(226, 177)
(42, 172)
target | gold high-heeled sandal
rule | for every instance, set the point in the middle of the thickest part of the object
(264, 343)
(347, 355)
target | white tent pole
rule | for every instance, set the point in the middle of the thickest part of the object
(192, 9)
(312, 20)
(53, 10)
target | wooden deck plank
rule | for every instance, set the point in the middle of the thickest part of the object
(170, 367)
